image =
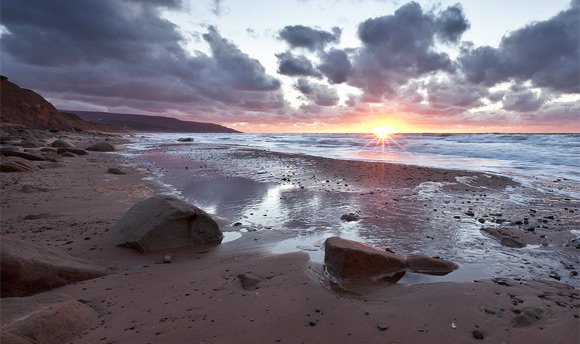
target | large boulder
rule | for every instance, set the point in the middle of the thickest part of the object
(164, 222)
(101, 147)
(430, 265)
(14, 164)
(349, 259)
(48, 318)
(28, 269)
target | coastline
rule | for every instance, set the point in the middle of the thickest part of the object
(198, 296)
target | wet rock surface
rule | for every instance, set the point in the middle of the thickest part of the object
(163, 222)
(354, 260)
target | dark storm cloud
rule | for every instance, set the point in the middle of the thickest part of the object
(244, 72)
(291, 65)
(335, 65)
(319, 94)
(545, 52)
(123, 53)
(400, 47)
(300, 36)
(523, 100)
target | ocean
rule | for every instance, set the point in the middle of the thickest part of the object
(535, 160)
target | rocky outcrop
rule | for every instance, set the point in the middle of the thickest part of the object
(163, 222)
(25, 108)
(430, 265)
(101, 147)
(48, 318)
(504, 236)
(354, 260)
(14, 164)
(28, 269)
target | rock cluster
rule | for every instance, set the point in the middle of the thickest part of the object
(353, 260)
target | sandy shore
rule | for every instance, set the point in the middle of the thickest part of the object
(198, 298)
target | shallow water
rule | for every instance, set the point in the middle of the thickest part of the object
(247, 196)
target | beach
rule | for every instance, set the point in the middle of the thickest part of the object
(275, 210)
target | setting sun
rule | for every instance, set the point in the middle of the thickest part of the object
(384, 132)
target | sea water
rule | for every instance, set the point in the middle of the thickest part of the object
(532, 159)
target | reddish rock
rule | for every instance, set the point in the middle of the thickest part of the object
(354, 260)
(430, 265)
(28, 269)
(23, 155)
(163, 222)
(48, 318)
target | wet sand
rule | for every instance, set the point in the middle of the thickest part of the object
(199, 298)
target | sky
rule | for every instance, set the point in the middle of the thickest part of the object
(305, 65)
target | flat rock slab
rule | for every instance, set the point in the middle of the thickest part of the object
(48, 318)
(23, 155)
(15, 164)
(164, 222)
(354, 260)
(28, 269)
(430, 265)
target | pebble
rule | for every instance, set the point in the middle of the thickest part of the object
(477, 334)
(382, 327)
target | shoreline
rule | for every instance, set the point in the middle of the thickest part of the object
(199, 296)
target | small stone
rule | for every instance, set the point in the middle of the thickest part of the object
(477, 334)
(382, 326)
(115, 170)
(167, 259)
(350, 217)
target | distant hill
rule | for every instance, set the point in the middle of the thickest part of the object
(21, 107)
(144, 123)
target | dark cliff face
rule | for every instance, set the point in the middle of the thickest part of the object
(25, 108)
(142, 123)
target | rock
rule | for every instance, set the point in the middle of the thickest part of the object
(353, 260)
(477, 334)
(68, 154)
(504, 237)
(185, 139)
(350, 217)
(61, 144)
(382, 327)
(48, 318)
(48, 149)
(76, 151)
(115, 170)
(430, 265)
(23, 155)
(28, 269)
(528, 317)
(164, 222)
(31, 189)
(249, 281)
(101, 147)
(14, 164)
(167, 259)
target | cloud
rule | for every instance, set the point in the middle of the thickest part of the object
(523, 100)
(401, 47)
(217, 7)
(124, 54)
(291, 65)
(335, 65)
(545, 52)
(319, 94)
(300, 36)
